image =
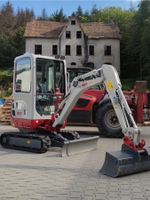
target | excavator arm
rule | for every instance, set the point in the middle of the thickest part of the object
(133, 157)
(109, 79)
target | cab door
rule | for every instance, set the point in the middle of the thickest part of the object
(22, 89)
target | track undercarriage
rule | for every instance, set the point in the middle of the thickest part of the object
(40, 142)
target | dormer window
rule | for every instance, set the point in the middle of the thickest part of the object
(73, 22)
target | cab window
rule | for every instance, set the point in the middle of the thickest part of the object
(23, 75)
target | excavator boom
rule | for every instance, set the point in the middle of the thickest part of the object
(133, 157)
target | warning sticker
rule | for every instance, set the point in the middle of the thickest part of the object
(110, 85)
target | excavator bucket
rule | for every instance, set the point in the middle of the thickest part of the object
(122, 163)
(77, 146)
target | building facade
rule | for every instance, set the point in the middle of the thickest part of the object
(83, 44)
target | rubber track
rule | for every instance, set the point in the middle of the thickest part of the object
(43, 148)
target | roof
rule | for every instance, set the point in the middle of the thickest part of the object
(52, 29)
(44, 29)
(100, 30)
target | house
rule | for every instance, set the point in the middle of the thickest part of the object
(82, 44)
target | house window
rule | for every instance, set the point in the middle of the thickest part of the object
(79, 50)
(73, 22)
(91, 50)
(54, 49)
(38, 49)
(107, 50)
(68, 34)
(68, 52)
(79, 34)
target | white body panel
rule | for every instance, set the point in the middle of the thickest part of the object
(24, 103)
(108, 77)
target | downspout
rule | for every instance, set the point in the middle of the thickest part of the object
(86, 49)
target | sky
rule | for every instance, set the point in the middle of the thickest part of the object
(69, 6)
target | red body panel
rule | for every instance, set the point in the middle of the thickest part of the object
(136, 102)
(98, 94)
(33, 125)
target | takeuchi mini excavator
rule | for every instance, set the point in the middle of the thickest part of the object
(43, 100)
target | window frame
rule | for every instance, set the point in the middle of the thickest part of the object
(78, 50)
(38, 49)
(107, 50)
(53, 49)
(25, 80)
(91, 51)
(68, 34)
(73, 22)
(67, 50)
(79, 34)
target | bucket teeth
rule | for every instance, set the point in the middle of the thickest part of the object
(120, 163)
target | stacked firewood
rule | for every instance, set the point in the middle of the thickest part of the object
(5, 111)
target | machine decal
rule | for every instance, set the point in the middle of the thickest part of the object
(110, 85)
(19, 109)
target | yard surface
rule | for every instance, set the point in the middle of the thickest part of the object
(29, 176)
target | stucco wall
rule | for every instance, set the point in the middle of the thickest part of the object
(46, 45)
(73, 42)
(98, 59)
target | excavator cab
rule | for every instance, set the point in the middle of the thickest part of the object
(39, 86)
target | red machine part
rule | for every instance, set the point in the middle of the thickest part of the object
(131, 146)
(141, 99)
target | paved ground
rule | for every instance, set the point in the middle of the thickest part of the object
(28, 176)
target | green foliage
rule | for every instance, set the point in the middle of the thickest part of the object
(5, 83)
(127, 84)
(12, 27)
(58, 16)
(139, 42)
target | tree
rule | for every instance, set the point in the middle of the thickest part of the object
(58, 16)
(24, 16)
(18, 41)
(79, 12)
(44, 15)
(12, 42)
(7, 19)
(140, 41)
(6, 52)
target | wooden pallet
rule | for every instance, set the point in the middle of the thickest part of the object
(5, 111)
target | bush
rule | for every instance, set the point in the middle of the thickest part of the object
(127, 84)
(5, 83)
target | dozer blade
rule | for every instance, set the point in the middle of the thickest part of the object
(77, 146)
(122, 163)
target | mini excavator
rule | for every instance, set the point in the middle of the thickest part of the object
(43, 99)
